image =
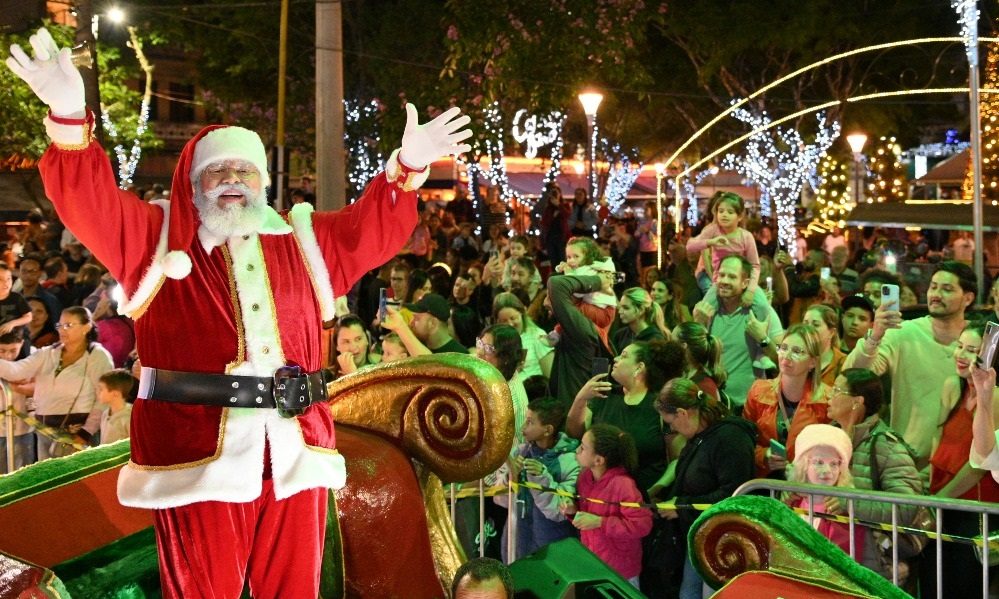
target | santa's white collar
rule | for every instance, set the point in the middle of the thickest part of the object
(273, 225)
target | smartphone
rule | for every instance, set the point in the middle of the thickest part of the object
(825, 273)
(770, 284)
(891, 264)
(990, 340)
(777, 448)
(493, 254)
(619, 277)
(382, 303)
(889, 297)
(599, 366)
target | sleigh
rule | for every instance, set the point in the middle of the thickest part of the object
(404, 428)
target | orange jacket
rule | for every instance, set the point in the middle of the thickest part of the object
(762, 409)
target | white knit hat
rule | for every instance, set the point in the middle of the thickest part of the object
(815, 435)
(230, 143)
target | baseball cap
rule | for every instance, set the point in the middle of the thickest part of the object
(857, 301)
(431, 303)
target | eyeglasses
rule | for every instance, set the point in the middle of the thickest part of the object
(840, 391)
(795, 353)
(243, 170)
(59, 326)
(486, 348)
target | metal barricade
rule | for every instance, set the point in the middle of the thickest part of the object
(936, 504)
(508, 528)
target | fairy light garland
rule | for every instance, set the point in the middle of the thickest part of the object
(779, 161)
(128, 161)
(364, 159)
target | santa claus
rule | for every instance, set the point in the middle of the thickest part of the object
(232, 440)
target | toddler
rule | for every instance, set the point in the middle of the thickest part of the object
(392, 348)
(583, 258)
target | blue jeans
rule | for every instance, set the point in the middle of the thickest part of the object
(692, 586)
(24, 451)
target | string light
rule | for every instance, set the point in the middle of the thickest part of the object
(364, 159)
(496, 174)
(779, 162)
(967, 17)
(833, 198)
(536, 131)
(888, 178)
(621, 174)
(127, 161)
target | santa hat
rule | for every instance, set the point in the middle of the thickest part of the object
(212, 144)
(815, 435)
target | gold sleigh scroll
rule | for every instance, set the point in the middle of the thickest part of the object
(452, 413)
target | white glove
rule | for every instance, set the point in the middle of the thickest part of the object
(422, 144)
(51, 75)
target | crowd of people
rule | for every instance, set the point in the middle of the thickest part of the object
(630, 383)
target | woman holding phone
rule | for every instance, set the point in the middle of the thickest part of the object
(781, 407)
(641, 369)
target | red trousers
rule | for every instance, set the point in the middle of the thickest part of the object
(208, 549)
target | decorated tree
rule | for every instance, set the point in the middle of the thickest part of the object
(361, 140)
(989, 110)
(833, 200)
(888, 180)
(779, 161)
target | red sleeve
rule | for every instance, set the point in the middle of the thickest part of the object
(633, 523)
(752, 412)
(365, 234)
(117, 227)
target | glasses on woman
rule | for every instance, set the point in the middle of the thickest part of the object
(486, 348)
(840, 391)
(795, 353)
(65, 326)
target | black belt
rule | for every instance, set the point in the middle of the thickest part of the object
(289, 390)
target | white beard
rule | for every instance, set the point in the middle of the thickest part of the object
(233, 219)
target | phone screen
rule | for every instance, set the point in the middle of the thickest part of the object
(825, 273)
(600, 366)
(382, 303)
(990, 340)
(777, 448)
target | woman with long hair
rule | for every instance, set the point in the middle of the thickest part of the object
(664, 293)
(41, 330)
(825, 321)
(704, 365)
(509, 310)
(66, 380)
(781, 407)
(642, 319)
(417, 285)
(641, 369)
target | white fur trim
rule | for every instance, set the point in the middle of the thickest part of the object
(263, 344)
(272, 224)
(75, 137)
(413, 181)
(176, 264)
(150, 281)
(236, 475)
(301, 222)
(230, 143)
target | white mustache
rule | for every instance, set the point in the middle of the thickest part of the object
(218, 192)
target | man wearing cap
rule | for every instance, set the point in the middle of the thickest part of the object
(232, 442)
(427, 332)
(856, 319)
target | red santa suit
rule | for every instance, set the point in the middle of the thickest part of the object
(245, 305)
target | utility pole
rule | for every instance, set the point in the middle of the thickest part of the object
(86, 24)
(281, 169)
(331, 167)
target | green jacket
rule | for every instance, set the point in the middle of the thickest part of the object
(896, 469)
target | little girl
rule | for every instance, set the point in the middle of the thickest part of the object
(822, 457)
(520, 246)
(392, 348)
(583, 258)
(611, 531)
(724, 237)
(547, 457)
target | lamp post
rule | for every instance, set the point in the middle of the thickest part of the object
(660, 196)
(857, 141)
(591, 102)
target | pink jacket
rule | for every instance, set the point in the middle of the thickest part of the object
(618, 541)
(743, 244)
(837, 532)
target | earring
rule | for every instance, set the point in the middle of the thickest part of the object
(855, 406)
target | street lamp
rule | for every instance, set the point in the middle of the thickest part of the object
(660, 197)
(857, 141)
(591, 102)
